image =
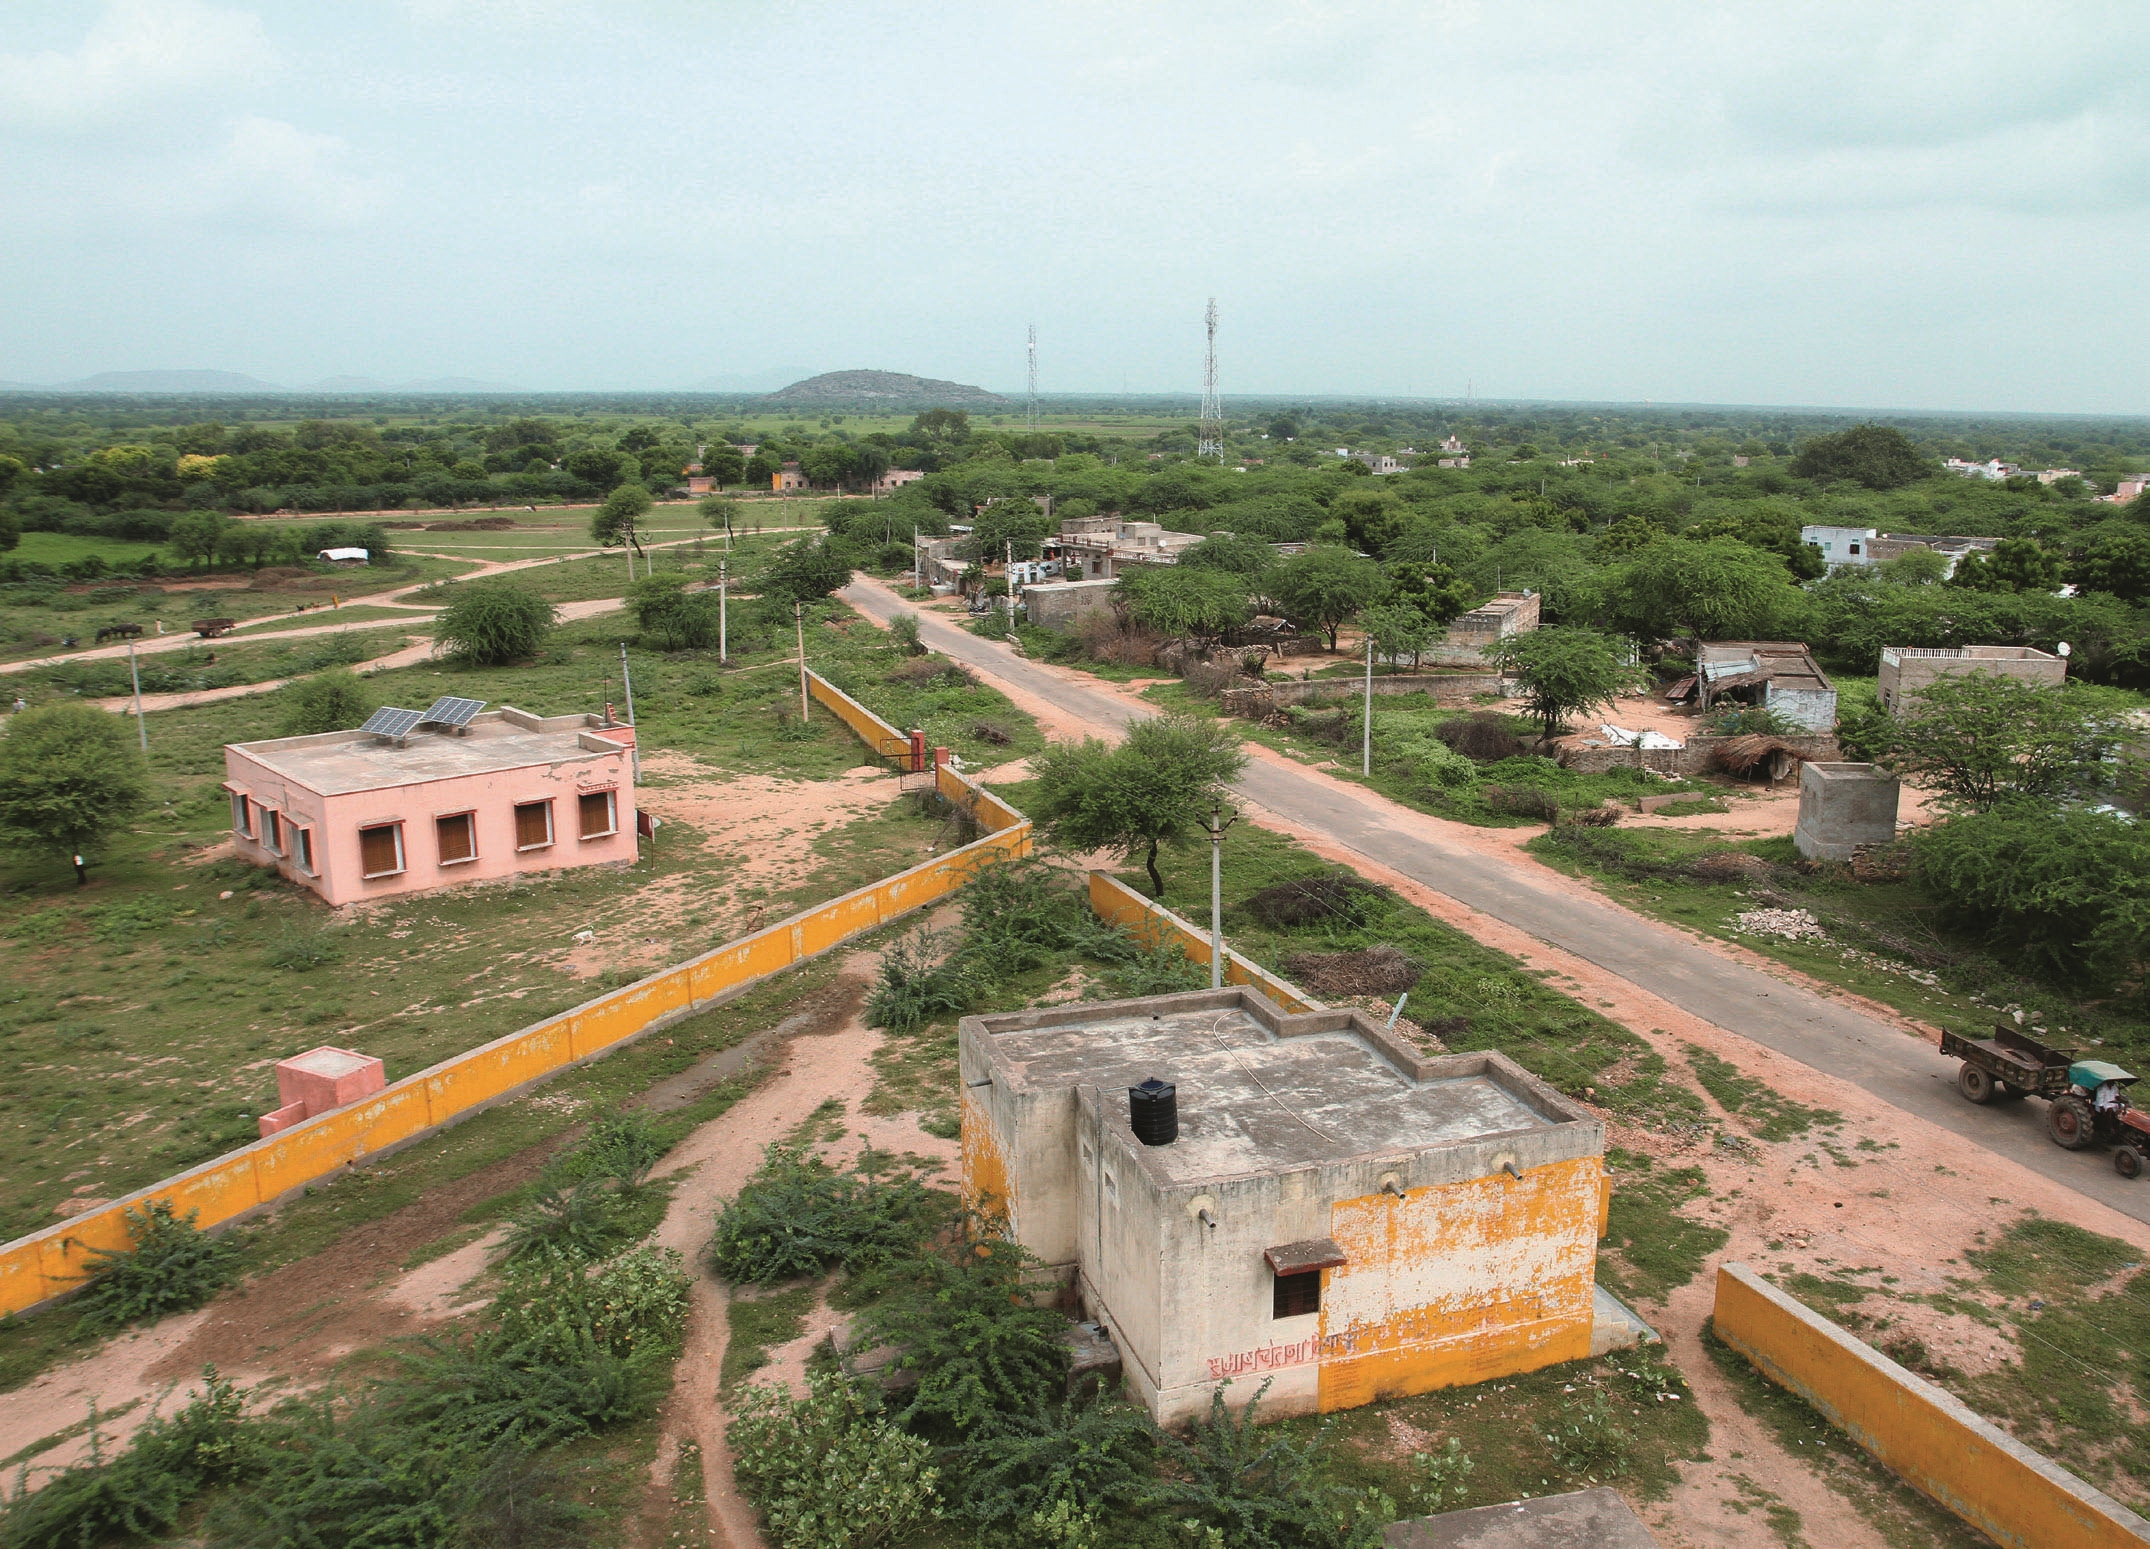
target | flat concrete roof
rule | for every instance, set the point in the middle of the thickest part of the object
(338, 763)
(1251, 1100)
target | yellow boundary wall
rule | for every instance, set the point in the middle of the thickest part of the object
(52, 1262)
(876, 733)
(1118, 904)
(1985, 1476)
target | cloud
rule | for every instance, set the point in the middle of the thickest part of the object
(136, 53)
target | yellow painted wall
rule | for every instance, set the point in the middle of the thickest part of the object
(51, 1262)
(988, 1180)
(2006, 1491)
(1118, 904)
(1455, 1283)
(870, 729)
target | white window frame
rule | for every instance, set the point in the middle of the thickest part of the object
(242, 814)
(468, 815)
(402, 859)
(552, 828)
(612, 814)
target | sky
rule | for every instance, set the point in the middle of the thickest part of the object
(1861, 203)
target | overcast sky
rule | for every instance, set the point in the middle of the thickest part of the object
(1876, 203)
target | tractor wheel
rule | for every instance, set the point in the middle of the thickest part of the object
(2071, 1124)
(1975, 1084)
(2127, 1161)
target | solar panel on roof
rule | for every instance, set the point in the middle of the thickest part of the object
(388, 721)
(451, 711)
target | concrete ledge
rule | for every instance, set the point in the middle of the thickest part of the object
(2015, 1496)
(1615, 1326)
(1582, 1519)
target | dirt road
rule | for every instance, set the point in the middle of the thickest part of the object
(1769, 1006)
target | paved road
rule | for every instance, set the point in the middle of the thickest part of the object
(1828, 1035)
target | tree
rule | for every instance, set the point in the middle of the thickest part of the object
(1397, 629)
(1014, 519)
(1914, 567)
(723, 464)
(69, 778)
(494, 622)
(1183, 603)
(1240, 553)
(619, 519)
(1564, 671)
(335, 700)
(804, 570)
(196, 535)
(1324, 586)
(669, 618)
(1154, 789)
(2015, 565)
(1976, 739)
(2119, 565)
(1434, 590)
(1878, 456)
(718, 511)
(1718, 589)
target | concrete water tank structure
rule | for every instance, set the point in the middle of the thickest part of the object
(1843, 808)
(1333, 1212)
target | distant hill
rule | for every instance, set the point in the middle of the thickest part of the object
(168, 382)
(885, 390)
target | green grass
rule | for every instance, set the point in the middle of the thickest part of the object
(1886, 938)
(605, 575)
(1650, 1249)
(1762, 1111)
(213, 664)
(322, 615)
(758, 1321)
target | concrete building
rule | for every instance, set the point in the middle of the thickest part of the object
(1777, 675)
(1843, 808)
(1509, 613)
(1909, 670)
(1092, 548)
(1842, 546)
(2127, 490)
(895, 479)
(787, 479)
(355, 816)
(1063, 605)
(1328, 1209)
(1380, 462)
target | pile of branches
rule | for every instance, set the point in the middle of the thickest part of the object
(1384, 972)
(1742, 754)
(1315, 901)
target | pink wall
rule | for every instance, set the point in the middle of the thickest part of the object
(490, 796)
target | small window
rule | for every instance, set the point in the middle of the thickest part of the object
(458, 837)
(600, 814)
(1297, 1295)
(380, 849)
(305, 838)
(272, 831)
(242, 814)
(1855, 548)
(533, 825)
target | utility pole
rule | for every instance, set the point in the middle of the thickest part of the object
(135, 673)
(627, 685)
(1366, 749)
(798, 619)
(1007, 574)
(1216, 825)
(723, 656)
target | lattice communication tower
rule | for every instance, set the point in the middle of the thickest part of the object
(1030, 406)
(1210, 436)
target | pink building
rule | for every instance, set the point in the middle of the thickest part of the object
(417, 801)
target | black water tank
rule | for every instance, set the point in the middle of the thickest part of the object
(1153, 1112)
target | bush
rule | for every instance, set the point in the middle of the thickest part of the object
(1261, 1491)
(1091, 1457)
(1316, 900)
(912, 988)
(553, 1308)
(69, 777)
(903, 631)
(797, 1216)
(335, 700)
(1482, 736)
(142, 1492)
(491, 623)
(827, 1470)
(173, 1266)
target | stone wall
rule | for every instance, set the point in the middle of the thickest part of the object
(1698, 757)
(1266, 699)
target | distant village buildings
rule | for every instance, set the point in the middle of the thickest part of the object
(1509, 613)
(1774, 674)
(1863, 546)
(1909, 670)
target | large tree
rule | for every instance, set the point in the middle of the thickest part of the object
(1716, 589)
(491, 623)
(1154, 789)
(1565, 671)
(69, 777)
(2015, 565)
(1190, 604)
(1976, 739)
(804, 570)
(1878, 456)
(1324, 586)
(619, 520)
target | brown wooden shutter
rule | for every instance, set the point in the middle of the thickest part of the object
(378, 852)
(596, 813)
(457, 842)
(533, 824)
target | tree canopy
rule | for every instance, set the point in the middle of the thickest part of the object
(1155, 788)
(491, 623)
(1975, 739)
(2015, 565)
(70, 776)
(1877, 456)
(1716, 589)
(1565, 671)
(1174, 600)
(619, 518)
(1324, 586)
(804, 570)
(335, 700)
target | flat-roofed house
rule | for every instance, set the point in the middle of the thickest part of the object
(357, 815)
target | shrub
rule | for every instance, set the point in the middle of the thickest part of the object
(903, 631)
(1586, 1440)
(69, 777)
(1482, 736)
(827, 1470)
(335, 700)
(1316, 900)
(1261, 1490)
(301, 950)
(581, 1221)
(553, 1307)
(1382, 971)
(798, 1216)
(669, 618)
(141, 1492)
(1078, 1458)
(491, 623)
(1753, 720)
(172, 1266)
(913, 988)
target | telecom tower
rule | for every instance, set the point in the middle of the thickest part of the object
(1030, 407)
(1210, 436)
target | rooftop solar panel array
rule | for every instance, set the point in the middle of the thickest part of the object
(388, 721)
(451, 711)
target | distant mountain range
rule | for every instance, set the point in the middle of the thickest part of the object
(235, 382)
(885, 390)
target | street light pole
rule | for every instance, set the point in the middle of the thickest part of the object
(723, 659)
(1217, 824)
(1366, 749)
(141, 726)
